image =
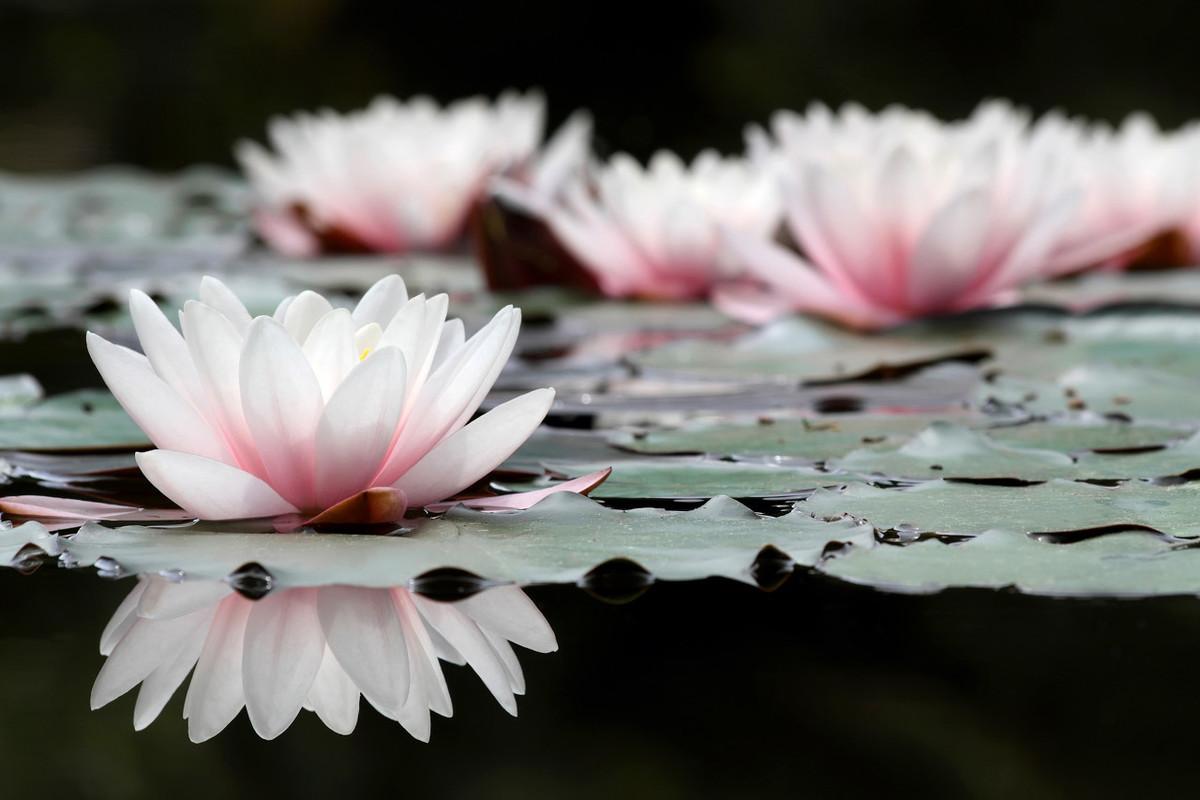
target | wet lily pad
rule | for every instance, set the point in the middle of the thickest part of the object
(1056, 506)
(1077, 434)
(1145, 394)
(689, 478)
(83, 420)
(558, 541)
(1134, 564)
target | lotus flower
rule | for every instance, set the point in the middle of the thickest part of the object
(397, 176)
(313, 648)
(654, 232)
(900, 216)
(296, 413)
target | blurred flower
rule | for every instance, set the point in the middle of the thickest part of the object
(396, 176)
(317, 409)
(897, 215)
(654, 232)
(312, 648)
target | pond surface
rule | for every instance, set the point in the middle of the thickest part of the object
(958, 557)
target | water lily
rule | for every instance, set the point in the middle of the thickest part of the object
(324, 412)
(654, 231)
(897, 215)
(396, 176)
(310, 648)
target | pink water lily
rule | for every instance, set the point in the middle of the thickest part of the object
(897, 215)
(654, 232)
(303, 411)
(319, 648)
(396, 176)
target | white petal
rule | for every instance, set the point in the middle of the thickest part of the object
(334, 696)
(358, 426)
(209, 489)
(282, 403)
(164, 599)
(217, 295)
(475, 450)
(167, 351)
(215, 695)
(453, 337)
(381, 302)
(122, 619)
(512, 666)
(303, 313)
(165, 417)
(331, 351)
(364, 632)
(149, 644)
(280, 658)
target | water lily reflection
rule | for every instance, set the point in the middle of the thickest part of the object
(318, 649)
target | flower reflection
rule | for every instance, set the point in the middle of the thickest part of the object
(318, 649)
(361, 411)
(396, 176)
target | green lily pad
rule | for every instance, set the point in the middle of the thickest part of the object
(1056, 506)
(558, 541)
(945, 450)
(1074, 434)
(84, 420)
(689, 478)
(1134, 564)
(1148, 395)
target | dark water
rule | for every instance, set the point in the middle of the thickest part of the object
(709, 688)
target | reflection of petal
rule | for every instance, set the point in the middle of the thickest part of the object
(316, 649)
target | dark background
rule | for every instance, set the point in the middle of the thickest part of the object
(166, 83)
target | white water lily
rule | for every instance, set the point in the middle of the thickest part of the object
(655, 231)
(897, 215)
(310, 648)
(316, 405)
(396, 176)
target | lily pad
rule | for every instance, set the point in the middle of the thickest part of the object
(83, 420)
(1076, 434)
(1056, 506)
(558, 541)
(1134, 564)
(688, 478)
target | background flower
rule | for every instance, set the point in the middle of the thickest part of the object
(312, 648)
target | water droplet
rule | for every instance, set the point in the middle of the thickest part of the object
(171, 575)
(109, 568)
(771, 568)
(448, 584)
(617, 580)
(251, 580)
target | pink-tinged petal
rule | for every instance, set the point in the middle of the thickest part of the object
(364, 632)
(165, 417)
(148, 645)
(167, 352)
(164, 599)
(357, 426)
(215, 695)
(285, 234)
(475, 450)
(334, 697)
(508, 612)
(46, 507)
(282, 403)
(216, 349)
(428, 690)
(1028, 257)
(950, 252)
(522, 500)
(211, 490)
(161, 684)
(466, 638)
(281, 654)
(303, 313)
(564, 156)
(508, 659)
(122, 619)
(331, 351)
(381, 302)
(218, 296)
(751, 304)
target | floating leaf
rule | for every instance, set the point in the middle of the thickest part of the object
(83, 420)
(1134, 564)
(558, 541)
(1056, 506)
